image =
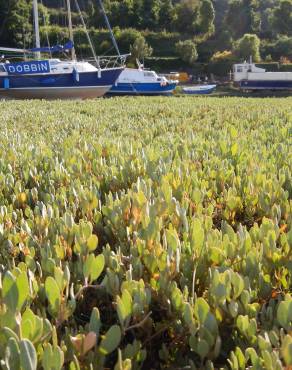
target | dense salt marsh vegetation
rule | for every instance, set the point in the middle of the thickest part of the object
(146, 233)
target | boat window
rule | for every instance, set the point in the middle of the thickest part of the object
(148, 74)
(239, 69)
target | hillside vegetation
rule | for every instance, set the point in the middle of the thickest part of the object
(210, 30)
(157, 236)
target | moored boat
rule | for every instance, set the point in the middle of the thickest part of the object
(55, 78)
(250, 77)
(142, 82)
(199, 89)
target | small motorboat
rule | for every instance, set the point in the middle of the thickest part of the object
(199, 89)
(142, 82)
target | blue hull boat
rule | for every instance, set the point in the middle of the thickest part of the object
(266, 85)
(54, 78)
(199, 89)
(142, 82)
(142, 89)
(60, 80)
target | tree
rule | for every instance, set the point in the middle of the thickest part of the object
(16, 23)
(248, 46)
(235, 19)
(206, 18)
(265, 9)
(186, 14)
(120, 13)
(242, 17)
(126, 13)
(126, 38)
(138, 10)
(166, 14)
(283, 48)
(187, 51)
(96, 18)
(150, 11)
(282, 18)
(224, 40)
(140, 49)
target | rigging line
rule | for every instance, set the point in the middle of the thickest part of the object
(46, 31)
(87, 35)
(71, 35)
(109, 27)
(108, 50)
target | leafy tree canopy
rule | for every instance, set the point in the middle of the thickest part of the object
(248, 46)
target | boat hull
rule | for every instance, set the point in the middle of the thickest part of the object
(55, 93)
(85, 85)
(266, 85)
(199, 91)
(142, 89)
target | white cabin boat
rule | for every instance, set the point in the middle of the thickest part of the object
(142, 82)
(251, 77)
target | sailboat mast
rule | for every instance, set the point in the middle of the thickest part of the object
(73, 54)
(36, 28)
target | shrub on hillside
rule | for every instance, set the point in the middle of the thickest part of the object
(187, 50)
(221, 63)
(248, 46)
(140, 49)
(126, 38)
(222, 56)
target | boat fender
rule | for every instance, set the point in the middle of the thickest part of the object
(99, 73)
(76, 75)
(6, 83)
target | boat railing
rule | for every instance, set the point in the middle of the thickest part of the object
(111, 61)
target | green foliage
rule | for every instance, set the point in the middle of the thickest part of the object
(140, 49)
(111, 340)
(187, 51)
(187, 14)
(127, 37)
(166, 14)
(242, 17)
(206, 18)
(282, 47)
(16, 23)
(282, 18)
(214, 25)
(53, 358)
(146, 232)
(248, 46)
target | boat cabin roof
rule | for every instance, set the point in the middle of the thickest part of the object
(247, 67)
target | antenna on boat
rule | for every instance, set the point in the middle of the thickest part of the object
(109, 27)
(36, 28)
(71, 37)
